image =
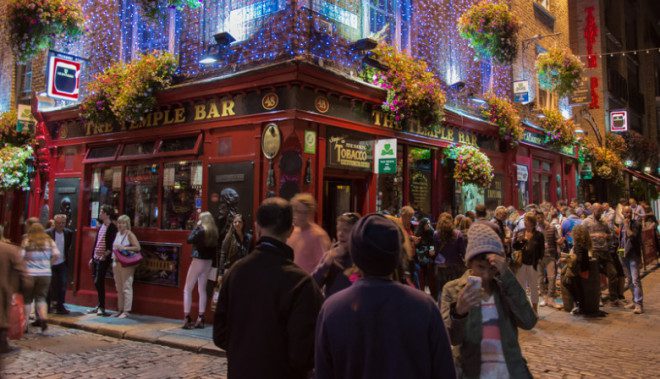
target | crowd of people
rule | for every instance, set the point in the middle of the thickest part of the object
(454, 291)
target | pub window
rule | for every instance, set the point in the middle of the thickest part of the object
(141, 195)
(140, 148)
(25, 80)
(390, 187)
(106, 189)
(101, 153)
(182, 186)
(179, 145)
(420, 169)
(541, 180)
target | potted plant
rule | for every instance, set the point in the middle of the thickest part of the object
(558, 71)
(502, 113)
(35, 25)
(8, 132)
(558, 131)
(491, 30)
(471, 165)
(413, 92)
(14, 167)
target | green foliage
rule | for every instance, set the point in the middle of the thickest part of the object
(559, 71)
(491, 29)
(471, 166)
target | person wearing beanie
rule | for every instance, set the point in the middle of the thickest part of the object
(380, 328)
(484, 309)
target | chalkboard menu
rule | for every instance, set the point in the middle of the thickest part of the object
(160, 265)
(493, 196)
(420, 191)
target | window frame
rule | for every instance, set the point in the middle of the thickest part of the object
(112, 158)
(166, 154)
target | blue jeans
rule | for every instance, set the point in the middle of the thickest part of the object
(631, 268)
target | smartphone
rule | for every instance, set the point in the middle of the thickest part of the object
(475, 282)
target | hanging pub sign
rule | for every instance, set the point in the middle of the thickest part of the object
(521, 91)
(64, 76)
(26, 120)
(385, 156)
(582, 94)
(349, 151)
(619, 121)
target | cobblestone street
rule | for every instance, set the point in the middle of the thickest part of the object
(621, 345)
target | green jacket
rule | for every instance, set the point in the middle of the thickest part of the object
(465, 332)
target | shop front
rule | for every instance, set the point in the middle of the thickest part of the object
(543, 175)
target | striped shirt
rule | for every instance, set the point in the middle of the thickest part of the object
(38, 261)
(100, 248)
(493, 364)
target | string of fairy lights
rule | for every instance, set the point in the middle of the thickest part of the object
(623, 53)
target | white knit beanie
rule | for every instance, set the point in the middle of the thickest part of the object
(482, 239)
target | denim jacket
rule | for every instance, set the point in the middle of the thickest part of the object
(465, 332)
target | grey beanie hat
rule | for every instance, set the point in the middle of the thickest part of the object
(482, 239)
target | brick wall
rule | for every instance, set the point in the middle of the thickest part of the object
(7, 72)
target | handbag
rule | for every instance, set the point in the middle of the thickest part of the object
(127, 258)
(516, 259)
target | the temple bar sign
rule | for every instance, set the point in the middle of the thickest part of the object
(64, 78)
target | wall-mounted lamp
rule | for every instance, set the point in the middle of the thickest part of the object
(215, 50)
(365, 46)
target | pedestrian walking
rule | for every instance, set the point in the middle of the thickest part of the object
(333, 273)
(309, 241)
(12, 277)
(529, 244)
(577, 268)
(547, 268)
(630, 252)
(601, 242)
(424, 256)
(39, 252)
(267, 309)
(100, 261)
(484, 309)
(394, 332)
(204, 238)
(124, 240)
(449, 247)
(63, 238)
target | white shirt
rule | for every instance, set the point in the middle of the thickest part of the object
(59, 242)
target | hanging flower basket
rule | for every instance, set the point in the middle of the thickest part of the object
(559, 71)
(154, 9)
(35, 25)
(606, 163)
(471, 165)
(413, 92)
(502, 113)
(125, 92)
(491, 29)
(558, 131)
(8, 132)
(14, 167)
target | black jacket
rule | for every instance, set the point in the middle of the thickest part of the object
(266, 315)
(200, 249)
(68, 241)
(532, 250)
(110, 235)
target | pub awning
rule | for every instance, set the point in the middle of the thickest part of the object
(644, 176)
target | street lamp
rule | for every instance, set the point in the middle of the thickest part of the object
(215, 50)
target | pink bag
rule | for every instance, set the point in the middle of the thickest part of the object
(127, 258)
(16, 318)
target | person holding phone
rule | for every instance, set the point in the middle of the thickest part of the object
(484, 309)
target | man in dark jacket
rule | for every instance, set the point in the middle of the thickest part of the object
(378, 328)
(267, 309)
(63, 238)
(101, 259)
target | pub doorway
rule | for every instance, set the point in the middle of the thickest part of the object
(341, 196)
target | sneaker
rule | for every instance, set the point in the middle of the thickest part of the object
(638, 309)
(123, 315)
(576, 311)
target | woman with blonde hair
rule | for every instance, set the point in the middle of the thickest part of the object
(38, 251)
(204, 238)
(124, 240)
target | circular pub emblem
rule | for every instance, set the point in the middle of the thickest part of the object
(270, 101)
(64, 131)
(322, 104)
(271, 140)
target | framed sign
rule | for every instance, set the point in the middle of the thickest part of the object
(64, 76)
(271, 141)
(160, 265)
(521, 91)
(619, 121)
(349, 151)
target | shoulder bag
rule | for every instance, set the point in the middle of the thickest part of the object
(127, 258)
